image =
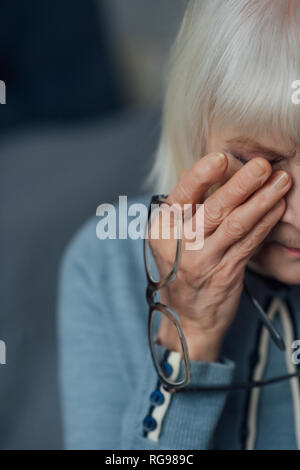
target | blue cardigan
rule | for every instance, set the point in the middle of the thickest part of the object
(107, 374)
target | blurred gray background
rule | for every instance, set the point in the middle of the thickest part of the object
(81, 125)
(141, 32)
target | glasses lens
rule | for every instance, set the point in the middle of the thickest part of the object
(163, 240)
(168, 358)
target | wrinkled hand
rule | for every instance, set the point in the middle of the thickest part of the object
(237, 218)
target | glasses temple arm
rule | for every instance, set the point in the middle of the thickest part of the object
(266, 321)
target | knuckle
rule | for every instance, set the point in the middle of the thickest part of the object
(190, 273)
(239, 187)
(180, 192)
(246, 245)
(190, 276)
(213, 210)
(233, 227)
(183, 191)
(264, 226)
(263, 201)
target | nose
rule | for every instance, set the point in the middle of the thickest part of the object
(292, 213)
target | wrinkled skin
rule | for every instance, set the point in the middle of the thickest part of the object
(252, 209)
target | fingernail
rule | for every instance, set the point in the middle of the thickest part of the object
(218, 160)
(257, 168)
(281, 180)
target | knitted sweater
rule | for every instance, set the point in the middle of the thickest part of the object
(107, 375)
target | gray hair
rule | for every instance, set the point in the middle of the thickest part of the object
(233, 62)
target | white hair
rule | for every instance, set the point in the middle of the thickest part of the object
(233, 63)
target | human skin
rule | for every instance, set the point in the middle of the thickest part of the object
(271, 258)
(250, 218)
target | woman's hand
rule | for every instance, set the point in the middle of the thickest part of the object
(237, 218)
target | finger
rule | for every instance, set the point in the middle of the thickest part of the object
(234, 192)
(244, 249)
(195, 182)
(183, 171)
(242, 219)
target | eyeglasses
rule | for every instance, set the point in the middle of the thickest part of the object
(161, 315)
(159, 312)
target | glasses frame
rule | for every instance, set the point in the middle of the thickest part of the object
(152, 288)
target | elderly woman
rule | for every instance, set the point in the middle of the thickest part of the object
(229, 147)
